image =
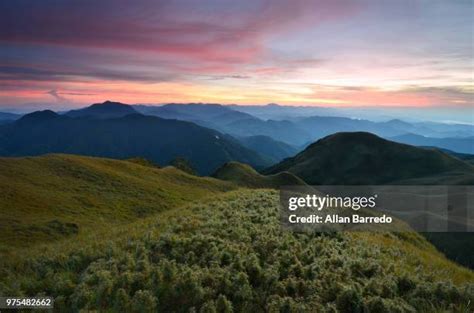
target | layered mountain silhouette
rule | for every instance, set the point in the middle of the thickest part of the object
(286, 131)
(321, 126)
(206, 114)
(272, 149)
(159, 140)
(6, 117)
(456, 144)
(432, 129)
(260, 142)
(38, 116)
(246, 176)
(274, 111)
(246, 121)
(231, 121)
(364, 158)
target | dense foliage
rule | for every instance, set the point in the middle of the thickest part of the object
(231, 255)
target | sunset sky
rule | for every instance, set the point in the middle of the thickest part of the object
(299, 52)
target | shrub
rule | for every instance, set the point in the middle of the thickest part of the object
(143, 301)
(349, 301)
(223, 305)
(231, 255)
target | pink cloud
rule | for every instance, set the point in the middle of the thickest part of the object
(233, 33)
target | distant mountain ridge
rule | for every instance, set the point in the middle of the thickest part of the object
(364, 158)
(315, 124)
(272, 149)
(38, 116)
(159, 140)
(7, 116)
(456, 144)
(228, 120)
(272, 140)
(412, 115)
(200, 113)
(321, 126)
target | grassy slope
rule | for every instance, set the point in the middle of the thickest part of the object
(363, 158)
(53, 196)
(198, 242)
(234, 247)
(245, 176)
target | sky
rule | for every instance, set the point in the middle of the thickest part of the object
(300, 52)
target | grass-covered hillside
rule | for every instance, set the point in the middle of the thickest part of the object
(245, 176)
(360, 158)
(232, 255)
(57, 196)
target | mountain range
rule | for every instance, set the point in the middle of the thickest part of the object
(268, 147)
(208, 135)
(228, 120)
(295, 130)
(457, 144)
(159, 140)
(298, 130)
(6, 117)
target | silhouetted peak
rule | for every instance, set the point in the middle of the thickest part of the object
(398, 122)
(39, 116)
(110, 104)
(107, 109)
(350, 138)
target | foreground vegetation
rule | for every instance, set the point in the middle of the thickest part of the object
(231, 255)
